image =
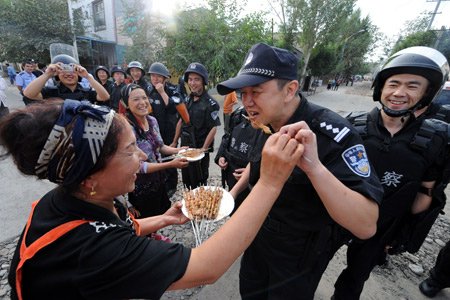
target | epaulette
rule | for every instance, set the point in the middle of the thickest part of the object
(335, 131)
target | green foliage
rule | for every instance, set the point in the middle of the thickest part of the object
(27, 28)
(215, 37)
(146, 32)
(421, 38)
(323, 60)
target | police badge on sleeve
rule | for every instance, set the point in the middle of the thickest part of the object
(356, 159)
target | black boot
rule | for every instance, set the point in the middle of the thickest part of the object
(430, 287)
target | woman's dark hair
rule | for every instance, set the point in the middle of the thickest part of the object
(24, 132)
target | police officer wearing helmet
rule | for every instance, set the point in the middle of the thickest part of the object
(101, 74)
(137, 73)
(69, 73)
(409, 151)
(163, 99)
(118, 74)
(204, 119)
(331, 187)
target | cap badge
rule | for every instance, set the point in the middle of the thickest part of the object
(249, 58)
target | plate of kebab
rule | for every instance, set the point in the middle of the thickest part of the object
(192, 154)
(204, 205)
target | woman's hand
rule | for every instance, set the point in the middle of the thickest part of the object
(279, 157)
(238, 173)
(180, 163)
(174, 215)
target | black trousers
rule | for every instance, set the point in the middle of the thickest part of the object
(152, 203)
(362, 257)
(196, 173)
(280, 265)
(441, 270)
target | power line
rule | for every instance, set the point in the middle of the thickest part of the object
(435, 11)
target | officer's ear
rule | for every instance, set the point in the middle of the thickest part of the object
(290, 90)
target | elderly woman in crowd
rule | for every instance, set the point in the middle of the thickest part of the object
(81, 243)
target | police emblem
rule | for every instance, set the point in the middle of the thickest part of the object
(356, 159)
(214, 114)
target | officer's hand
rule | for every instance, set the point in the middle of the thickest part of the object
(279, 157)
(81, 71)
(307, 139)
(53, 69)
(160, 88)
(223, 163)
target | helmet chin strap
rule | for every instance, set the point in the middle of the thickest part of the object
(401, 113)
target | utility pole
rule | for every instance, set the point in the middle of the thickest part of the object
(435, 11)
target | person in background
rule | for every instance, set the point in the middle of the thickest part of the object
(41, 67)
(118, 74)
(24, 79)
(69, 82)
(331, 191)
(99, 252)
(163, 99)
(200, 131)
(410, 153)
(11, 74)
(137, 73)
(149, 197)
(101, 74)
(236, 150)
(4, 110)
(229, 101)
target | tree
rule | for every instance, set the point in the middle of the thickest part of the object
(27, 28)
(215, 37)
(146, 32)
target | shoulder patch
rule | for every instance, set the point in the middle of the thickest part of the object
(215, 114)
(336, 133)
(356, 159)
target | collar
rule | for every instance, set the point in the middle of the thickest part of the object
(64, 89)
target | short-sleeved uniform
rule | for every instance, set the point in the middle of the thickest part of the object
(204, 115)
(62, 91)
(150, 195)
(401, 170)
(115, 95)
(293, 247)
(23, 79)
(166, 115)
(103, 259)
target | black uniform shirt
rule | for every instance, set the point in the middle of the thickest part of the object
(340, 151)
(62, 91)
(115, 95)
(204, 115)
(104, 259)
(166, 115)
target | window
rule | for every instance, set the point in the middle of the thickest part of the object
(98, 9)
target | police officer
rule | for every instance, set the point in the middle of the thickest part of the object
(118, 74)
(68, 72)
(101, 74)
(332, 185)
(236, 150)
(163, 99)
(24, 78)
(410, 154)
(137, 73)
(204, 119)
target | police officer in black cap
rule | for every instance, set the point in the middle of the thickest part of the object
(409, 152)
(163, 99)
(204, 119)
(333, 184)
(118, 74)
(68, 72)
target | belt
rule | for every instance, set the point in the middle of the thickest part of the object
(277, 226)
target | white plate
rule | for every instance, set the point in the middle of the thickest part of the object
(196, 158)
(226, 204)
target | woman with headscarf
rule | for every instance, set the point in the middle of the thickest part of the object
(149, 198)
(80, 243)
